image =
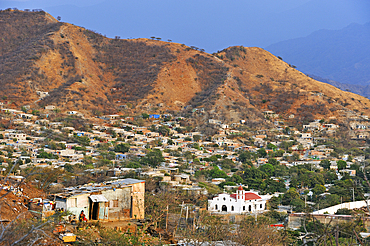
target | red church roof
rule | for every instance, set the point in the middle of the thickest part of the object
(248, 196)
(240, 187)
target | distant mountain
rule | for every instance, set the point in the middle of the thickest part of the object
(340, 55)
(358, 89)
(81, 70)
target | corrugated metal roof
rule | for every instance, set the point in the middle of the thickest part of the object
(127, 181)
(89, 188)
(98, 198)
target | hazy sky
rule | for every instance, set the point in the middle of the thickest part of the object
(209, 24)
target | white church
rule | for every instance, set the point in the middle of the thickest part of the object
(241, 202)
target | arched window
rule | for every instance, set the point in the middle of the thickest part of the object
(224, 208)
(261, 205)
(250, 208)
(243, 208)
(232, 208)
(216, 206)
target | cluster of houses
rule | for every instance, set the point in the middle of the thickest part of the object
(99, 202)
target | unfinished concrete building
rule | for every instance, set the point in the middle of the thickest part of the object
(109, 201)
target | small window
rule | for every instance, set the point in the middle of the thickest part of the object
(224, 199)
(261, 206)
(232, 208)
(113, 204)
(74, 202)
(243, 208)
(216, 206)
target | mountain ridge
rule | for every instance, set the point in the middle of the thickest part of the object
(87, 72)
(340, 55)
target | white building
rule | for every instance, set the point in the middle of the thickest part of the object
(241, 202)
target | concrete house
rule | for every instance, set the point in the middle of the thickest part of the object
(50, 107)
(109, 201)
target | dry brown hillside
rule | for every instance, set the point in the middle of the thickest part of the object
(85, 71)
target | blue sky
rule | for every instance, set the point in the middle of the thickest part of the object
(209, 24)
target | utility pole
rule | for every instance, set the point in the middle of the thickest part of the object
(353, 193)
(187, 214)
(167, 218)
(305, 200)
(256, 216)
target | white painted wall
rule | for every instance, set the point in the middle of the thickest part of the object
(349, 205)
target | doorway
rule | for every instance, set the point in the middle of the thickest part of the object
(94, 210)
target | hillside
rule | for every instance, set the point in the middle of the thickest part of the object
(340, 55)
(85, 71)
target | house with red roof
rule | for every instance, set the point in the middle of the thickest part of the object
(240, 202)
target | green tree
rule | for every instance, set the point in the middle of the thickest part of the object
(289, 196)
(236, 179)
(88, 160)
(286, 130)
(245, 156)
(268, 169)
(68, 168)
(217, 173)
(83, 140)
(280, 171)
(343, 188)
(295, 156)
(196, 146)
(56, 110)
(188, 156)
(330, 177)
(261, 152)
(298, 204)
(341, 164)
(43, 154)
(274, 202)
(271, 146)
(112, 133)
(278, 153)
(24, 109)
(325, 164)
(164, 130)
(273, 162)
(286, 144)
(319, 189)
(145, 115)
(196, 138)
(223, 184)
(153, 158)
(226, 164)
(122, 147)
(35, 112)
